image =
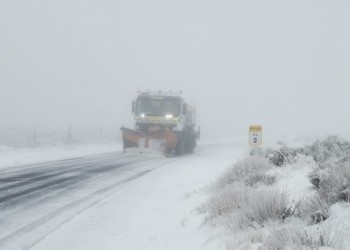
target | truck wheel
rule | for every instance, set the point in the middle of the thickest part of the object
(190, 145)
(180, 147)
(193, 145)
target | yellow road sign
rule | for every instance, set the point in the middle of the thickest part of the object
(255, 135)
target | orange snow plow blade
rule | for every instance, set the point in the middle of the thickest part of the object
(162, 139)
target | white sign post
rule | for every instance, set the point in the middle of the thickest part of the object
(255, 137)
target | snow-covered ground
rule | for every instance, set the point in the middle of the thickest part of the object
(165, 206)
(19, 146)
(12, 157)
(158, 211)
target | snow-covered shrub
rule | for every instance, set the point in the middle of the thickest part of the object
(267, 204)
(345, 194)
(298, 238)
(331, 149)
(255, 179)
(332, 176)
(282, 156)
(246, 200)
(228, 200)
(249, 170)
(332, 182)
(239, 206)
(314, 208)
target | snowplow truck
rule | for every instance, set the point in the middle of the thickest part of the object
(164, 122)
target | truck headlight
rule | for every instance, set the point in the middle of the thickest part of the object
(169, 116)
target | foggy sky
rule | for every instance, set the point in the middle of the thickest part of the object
(282, 64)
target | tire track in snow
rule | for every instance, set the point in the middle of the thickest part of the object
(41, 181)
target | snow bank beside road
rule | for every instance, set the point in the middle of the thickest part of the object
(10, 157)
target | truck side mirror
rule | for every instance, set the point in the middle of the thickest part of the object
(184, 109)
(133, 107)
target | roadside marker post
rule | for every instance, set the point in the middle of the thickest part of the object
(255, 138)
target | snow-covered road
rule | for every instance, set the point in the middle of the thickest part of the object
(111, 201)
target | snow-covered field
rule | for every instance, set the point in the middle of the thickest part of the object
(218, 198)
(12, 157)
(23, 146)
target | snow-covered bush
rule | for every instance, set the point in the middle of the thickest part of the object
(329, 150)
(331, 177)
(298, 238)
(239, 206)
(228, 200)
(332, 182)
(313, 208)
(282, 156)
(255, 179)
(249, 202)
(332, 149)
(250, 170)
(267, 204)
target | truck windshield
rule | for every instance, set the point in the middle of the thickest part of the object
(158, 106)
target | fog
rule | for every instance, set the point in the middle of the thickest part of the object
(282, 64)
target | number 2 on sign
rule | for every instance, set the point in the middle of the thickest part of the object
(255, 140)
